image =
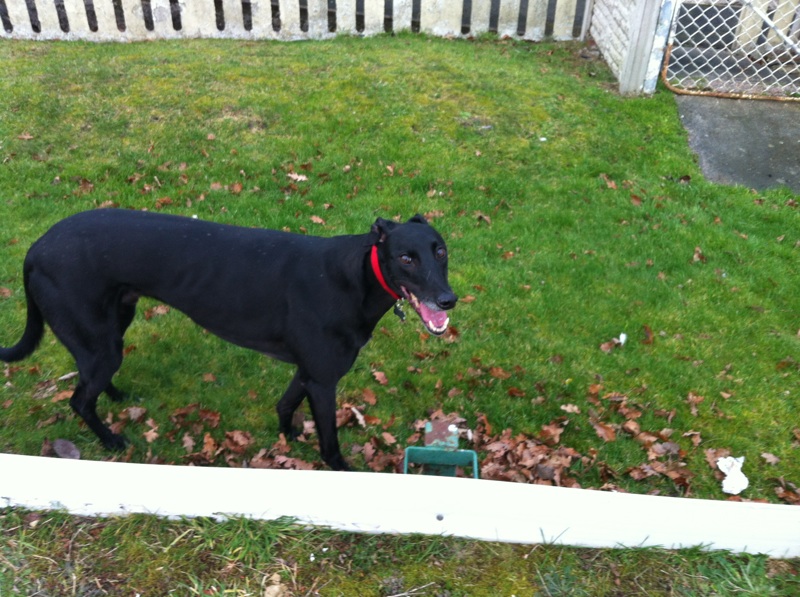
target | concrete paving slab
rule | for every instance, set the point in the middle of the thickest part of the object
(754, 143)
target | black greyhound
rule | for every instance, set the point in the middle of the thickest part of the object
(306, 300)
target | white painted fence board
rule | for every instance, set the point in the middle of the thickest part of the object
(508, 18)
(374, 13)
(134, 21)
(20, 20)
(290, 20)
(346, 17)
(48, 17)
(261, 15)
(563, 22)
(401, 15)
(479, 20)
(441, 17)
(106, 20)
(234, 20)
(535, 20)
(401, 504)
(198, 19)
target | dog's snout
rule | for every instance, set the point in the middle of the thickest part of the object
(446, 300)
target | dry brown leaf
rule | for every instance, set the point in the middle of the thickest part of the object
(770, 458)
(604, 431)
(693, 400)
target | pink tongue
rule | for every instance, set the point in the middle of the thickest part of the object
(435, 316)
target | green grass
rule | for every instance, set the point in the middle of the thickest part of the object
(55, 554)
(572, 215)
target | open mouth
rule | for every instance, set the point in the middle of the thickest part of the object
(434, 318)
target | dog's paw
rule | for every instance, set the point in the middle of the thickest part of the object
(291, 433)
(115, 393)
(338, 463)
(115, 442)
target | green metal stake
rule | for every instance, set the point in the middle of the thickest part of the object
(441, 455)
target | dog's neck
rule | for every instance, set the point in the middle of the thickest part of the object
(376, 269)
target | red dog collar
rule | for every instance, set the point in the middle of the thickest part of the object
(376, 268)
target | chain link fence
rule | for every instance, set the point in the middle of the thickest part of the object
(735, 48)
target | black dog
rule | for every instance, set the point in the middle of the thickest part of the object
(306, 300)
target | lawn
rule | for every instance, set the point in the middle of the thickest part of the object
(572, 216)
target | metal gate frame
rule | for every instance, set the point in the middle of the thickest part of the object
(735, 48)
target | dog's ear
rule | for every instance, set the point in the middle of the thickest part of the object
(418, 219)
(381, 228)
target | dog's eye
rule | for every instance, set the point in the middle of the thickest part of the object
(441, 253)
(406, 260)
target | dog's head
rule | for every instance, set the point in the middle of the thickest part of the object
(413, 260)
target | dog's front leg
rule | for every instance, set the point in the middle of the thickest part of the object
(322, 398)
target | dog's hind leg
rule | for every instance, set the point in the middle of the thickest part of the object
(96, 364)
(288, 404)
(126, 310)
(84, 403)
(97, 348)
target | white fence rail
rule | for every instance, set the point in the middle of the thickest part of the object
(134, 20)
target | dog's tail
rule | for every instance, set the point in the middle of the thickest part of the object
(34, 329)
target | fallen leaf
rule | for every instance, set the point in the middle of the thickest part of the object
(482, 217)
(344, 416)
(318, 220)
(25, 136)
(693, 400)
(604, 431)
(609, 346)
(380, 377)
(695, 437)
(631, 427)
(499, 373)
(210, 447)
(187, 442)
(158, 310)
(609, 183)
(451, 335)
(210, 417)
(61, 396)
(714, 454)
(369, 396)
(551, 434)
(770, 458)
(698, 256)
(237, 441)
(5, 292)
(209, 378)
